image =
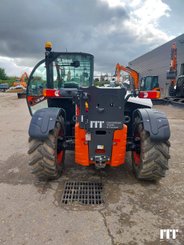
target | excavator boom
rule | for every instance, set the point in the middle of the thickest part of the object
(22, 80)
(153, 87)
(172, 73)
(131, 72)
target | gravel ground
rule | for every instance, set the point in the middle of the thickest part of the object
(31, 212)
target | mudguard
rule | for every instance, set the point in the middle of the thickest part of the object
(43, 121)
(156, 123)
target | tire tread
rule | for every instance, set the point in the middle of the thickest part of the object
(42, 155)
(154, 158)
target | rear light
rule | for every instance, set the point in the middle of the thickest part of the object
(100, 151)
(77, 111)
(100, 147)
(149, 94)
(51, 92)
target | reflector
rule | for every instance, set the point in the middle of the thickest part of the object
(51, 92)
(149, 94)
(100, 151)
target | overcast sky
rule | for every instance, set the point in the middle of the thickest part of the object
(112, 30)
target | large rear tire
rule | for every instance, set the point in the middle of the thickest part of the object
(47, 156)
(149, 159)
(172, 90)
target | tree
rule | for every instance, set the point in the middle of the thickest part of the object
(3, 75)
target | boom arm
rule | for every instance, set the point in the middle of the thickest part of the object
(172, 73)
(173, 64)
(24, 77)
(22, 80)
(131, 72)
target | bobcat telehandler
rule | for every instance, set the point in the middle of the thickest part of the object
(99, 124)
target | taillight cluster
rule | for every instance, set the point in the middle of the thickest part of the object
(149, 94)
(51, 93)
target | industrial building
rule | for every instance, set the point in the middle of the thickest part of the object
(157, 61)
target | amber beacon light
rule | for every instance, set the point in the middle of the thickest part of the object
(48, 46)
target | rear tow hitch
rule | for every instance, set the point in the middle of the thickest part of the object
(100, 161)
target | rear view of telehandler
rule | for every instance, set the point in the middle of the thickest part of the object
(99, 124)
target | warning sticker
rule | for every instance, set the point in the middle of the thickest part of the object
(114, 124)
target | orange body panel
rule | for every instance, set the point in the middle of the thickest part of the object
(81, 147)
(119, 147)
(157, 89)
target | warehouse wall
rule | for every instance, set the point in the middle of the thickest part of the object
(157, 61)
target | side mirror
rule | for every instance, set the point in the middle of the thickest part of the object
(75, 63)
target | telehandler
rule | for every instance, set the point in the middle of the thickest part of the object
(99, 124)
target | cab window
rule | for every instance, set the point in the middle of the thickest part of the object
(72, 71)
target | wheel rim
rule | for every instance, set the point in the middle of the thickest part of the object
(136, 152)
(60, 157)
(137, 158)
(60, 150)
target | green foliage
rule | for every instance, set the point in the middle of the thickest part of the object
(10, 81)
(3, 75)
(5, 79)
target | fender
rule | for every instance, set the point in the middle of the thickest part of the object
(156, 123)
(43, 121)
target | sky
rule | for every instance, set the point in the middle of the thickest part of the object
(112, 30)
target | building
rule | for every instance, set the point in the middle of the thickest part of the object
(157, 61)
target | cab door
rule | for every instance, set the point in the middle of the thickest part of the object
(36, 83)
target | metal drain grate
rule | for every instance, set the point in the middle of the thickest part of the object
(83, 192)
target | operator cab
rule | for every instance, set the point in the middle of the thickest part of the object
(149, 83)
(61, 71)
(56, 79)
(180, 86)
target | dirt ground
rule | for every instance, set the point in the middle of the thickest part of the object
(133, 213)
